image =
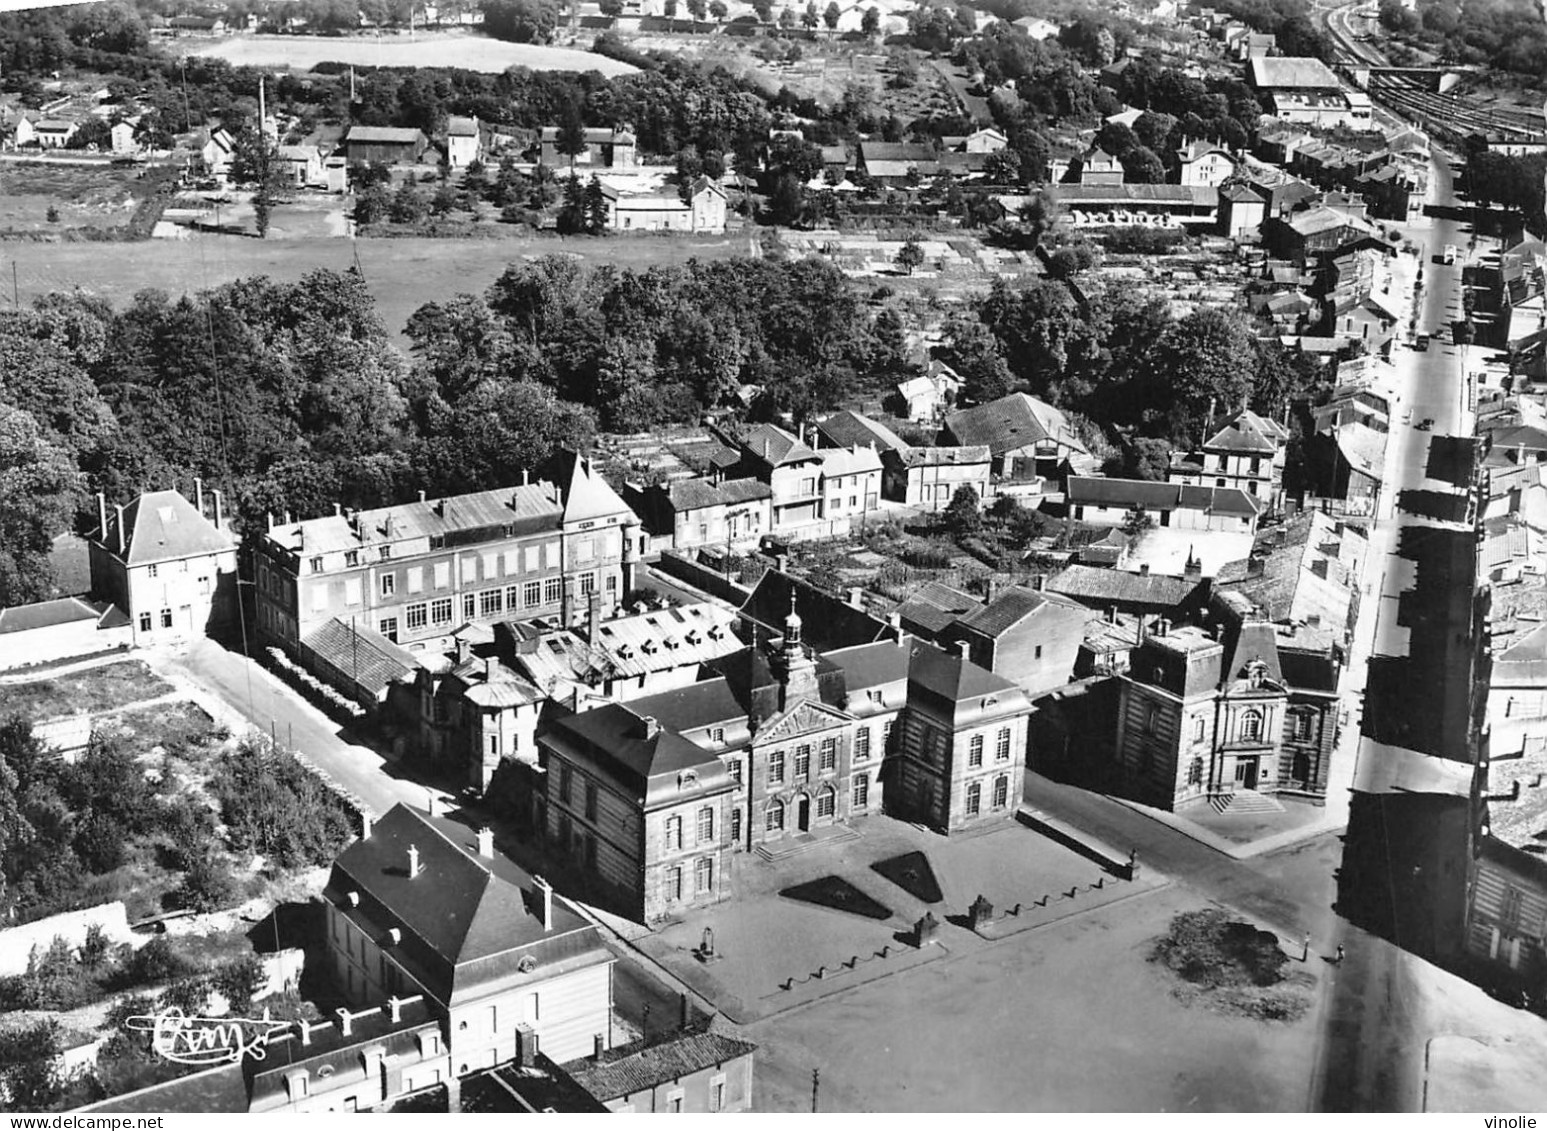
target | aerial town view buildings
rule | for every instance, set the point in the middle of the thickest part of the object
(603, 556)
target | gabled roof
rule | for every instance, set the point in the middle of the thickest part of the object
(1014, 606)
(1010, 423)
(461, 127)
(933, 607)
(775, 446)
(65, 610)
(466, 921)
(1099, 587)
(962, 456)
(829, 621)
(646, 1063)
(1268, 72)
(849, 461)
(162, 526)
(849, 428)
(1152, 495)
(362, 654)
(384, 135)
(904, 151)
(586, 495)
(1248, 432)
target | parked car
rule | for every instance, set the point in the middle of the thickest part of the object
(1421, 342)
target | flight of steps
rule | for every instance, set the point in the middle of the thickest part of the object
(1245, 801)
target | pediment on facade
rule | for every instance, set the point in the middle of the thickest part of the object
(804, 717)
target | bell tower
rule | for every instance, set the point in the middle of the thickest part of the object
(795, 667)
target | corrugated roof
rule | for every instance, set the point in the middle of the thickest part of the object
(632, 646)
(162, 526)
(362, 654)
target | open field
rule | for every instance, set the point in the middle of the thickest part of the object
(403, 274)
(86, 194)
(425, 49)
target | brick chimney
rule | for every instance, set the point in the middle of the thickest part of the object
(413, 861)
(486, 843)
(102, 516)
(598, 1046)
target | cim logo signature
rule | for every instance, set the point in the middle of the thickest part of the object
(205, 1040)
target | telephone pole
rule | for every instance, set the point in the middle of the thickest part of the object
(816, 1085)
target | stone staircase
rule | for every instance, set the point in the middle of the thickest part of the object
(1244, 801)
(805, 842)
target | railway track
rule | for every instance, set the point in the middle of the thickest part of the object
(1455, 113)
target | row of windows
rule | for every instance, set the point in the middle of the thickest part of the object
(1000, 796)
(566, 788)
(827, 761)
(147, 622)
(704, 829)
(703, 878)
(1248, 730)
(527, 559)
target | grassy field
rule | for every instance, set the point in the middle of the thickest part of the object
(96, 194)
(426, 49)
(403, 274)
(88, 691)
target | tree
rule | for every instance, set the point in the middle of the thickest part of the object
(1003, 168)
(1206, 358)
(973, 351)
(372, 205)
(521, 21)
(809, 18)
(596, 210)
(763, 8)
(611, 8)
(572, 217)
(39, 486)
(831, 15)
(697, 9)
(1146, 457)
(408, 204)
(444, 202)
(962, 516)
(255, 162)
(29, 1072)
(718, 9)
(571, 140)
(669, 9)
(870, 22)
(1135, 523)
(910, 256)
(1142, 165)
(787, 202)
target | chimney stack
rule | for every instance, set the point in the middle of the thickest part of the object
(857, 596)
(432, 803)
(220, 511)
(464, 650)
(991, 590)
(1111, 614)
(413, 860)
(682, 1000)
(198, 495)
(650, 725)
(598, 1046)
(1144, 569)
(121, 543)
(964, 648)
(338, 509)
(102, 516)
(366, 821)
(781, 562)
(486, 843)
(395, 1009)
(1162, 626)
(1039, 582)
(345, 1021)
(422, 495)
(305, 1031)
(545, 899)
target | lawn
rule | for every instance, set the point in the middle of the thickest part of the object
(403, 274)
(426, 49)
(86, 195)
(84, 692)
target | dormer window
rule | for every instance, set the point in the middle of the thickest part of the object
(351, 558)
(317, 564)
(989, 701)
(687, 779)
(874, 695)
(717, 735)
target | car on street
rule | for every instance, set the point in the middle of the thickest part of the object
(1421, 342)
(1426, 424)
(1450, 254)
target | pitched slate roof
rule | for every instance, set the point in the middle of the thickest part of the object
(902, 151)
(586, 495)
(1248, 432)
(162, 526)
(361, 654)
(1093, 585)
(1152, 495)
(849, 428)
(849, 461)
(829, 622)
(951, 676)
(932, 607)
(389, 135)
(466, 920)
(1010, 423)
(773, 444)
(1013, 606)
(461, 127)
(617, 733)
(210, 1092)
(640, 1066)
(945, 457)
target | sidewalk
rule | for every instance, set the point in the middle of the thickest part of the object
(1331, 823)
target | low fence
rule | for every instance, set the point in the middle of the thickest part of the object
(1125, 866)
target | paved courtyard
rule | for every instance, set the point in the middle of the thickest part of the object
(775, 953)
(1069, 1017)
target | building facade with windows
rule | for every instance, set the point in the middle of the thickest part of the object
(416, 572)
(422, 905)
(1247, 454)
(782, 742)
(170, 568)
